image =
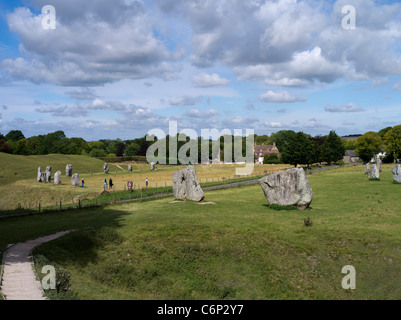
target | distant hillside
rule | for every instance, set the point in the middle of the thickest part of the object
(15, 167)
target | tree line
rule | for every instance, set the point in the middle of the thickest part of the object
(294, 147)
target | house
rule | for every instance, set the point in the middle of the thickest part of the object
(351, 156)
(262, 151)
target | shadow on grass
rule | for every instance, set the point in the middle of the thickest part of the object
(277, 207)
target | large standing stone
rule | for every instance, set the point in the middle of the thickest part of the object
(290, 187)
(397, 174)
(48, 174)
(129, 168)
(379, 162)
(367, 168)
(39, 176)
(375, 172)
(186, 185)
(57, 178)
(68, 170)
(106, 168)
(75, 180)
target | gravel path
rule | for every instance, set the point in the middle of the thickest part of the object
(18, 279)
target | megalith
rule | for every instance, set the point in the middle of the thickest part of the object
(48, 174)
(68, 170)
(290, 187)
(367, 168)
(397, 173)
(75, 180)
(129, 168)
(57, 178)
(186, 185)
(375, 172)
(106, 168)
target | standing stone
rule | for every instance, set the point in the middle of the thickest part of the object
(375, 173)
(290, 187)
(57, 178)
(129, 168)
(367, 168)
(397, 174)
(379, 163)
(186, 185)
(106, 168)
(39, 176)
(75, 180)
(68, 170)
(48, 174)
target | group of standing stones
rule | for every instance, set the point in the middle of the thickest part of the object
(290, 187)
(46, 176)
(373, 170)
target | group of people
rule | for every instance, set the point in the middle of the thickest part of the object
(110, 184)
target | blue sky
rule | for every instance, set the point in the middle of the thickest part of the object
(117, 69)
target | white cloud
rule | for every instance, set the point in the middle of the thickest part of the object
(184, 101)
(351, 107)
(209, 80)
(280, 97)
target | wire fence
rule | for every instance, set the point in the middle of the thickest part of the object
(138, 193)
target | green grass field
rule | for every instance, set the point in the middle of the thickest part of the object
(20, 189)
(237, 248)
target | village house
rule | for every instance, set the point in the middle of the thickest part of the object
(262, 151)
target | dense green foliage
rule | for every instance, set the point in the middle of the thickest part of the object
(368, 145)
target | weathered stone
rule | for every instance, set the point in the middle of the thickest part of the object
(367, 168)
(75, 180)
(39, 176)
(379, 162)
(397, 173)
(186, 185)
(106, 168)
(290, 187)
(375, 172)
(48, 174)
(129, 168)
(68, 170)
(57, 178)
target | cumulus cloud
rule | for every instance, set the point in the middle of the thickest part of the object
(84, 94)
(88, 46)
(209, 80)
(351, 107)
(184, 101)
(280, 97)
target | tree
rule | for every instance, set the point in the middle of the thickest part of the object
(299, 150)
(21, 148)
(14, 135)
(333, 149)
(132, 149)
(368, 145)
(392, 140)
(4, 147)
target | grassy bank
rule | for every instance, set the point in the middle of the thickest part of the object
(236, 247)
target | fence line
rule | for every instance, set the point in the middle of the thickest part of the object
(141, 198)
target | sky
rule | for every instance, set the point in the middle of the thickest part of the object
(120, 68)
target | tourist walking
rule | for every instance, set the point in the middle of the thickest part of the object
(83, 182)
(110, 184)
(147, 182)
(105, 185)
